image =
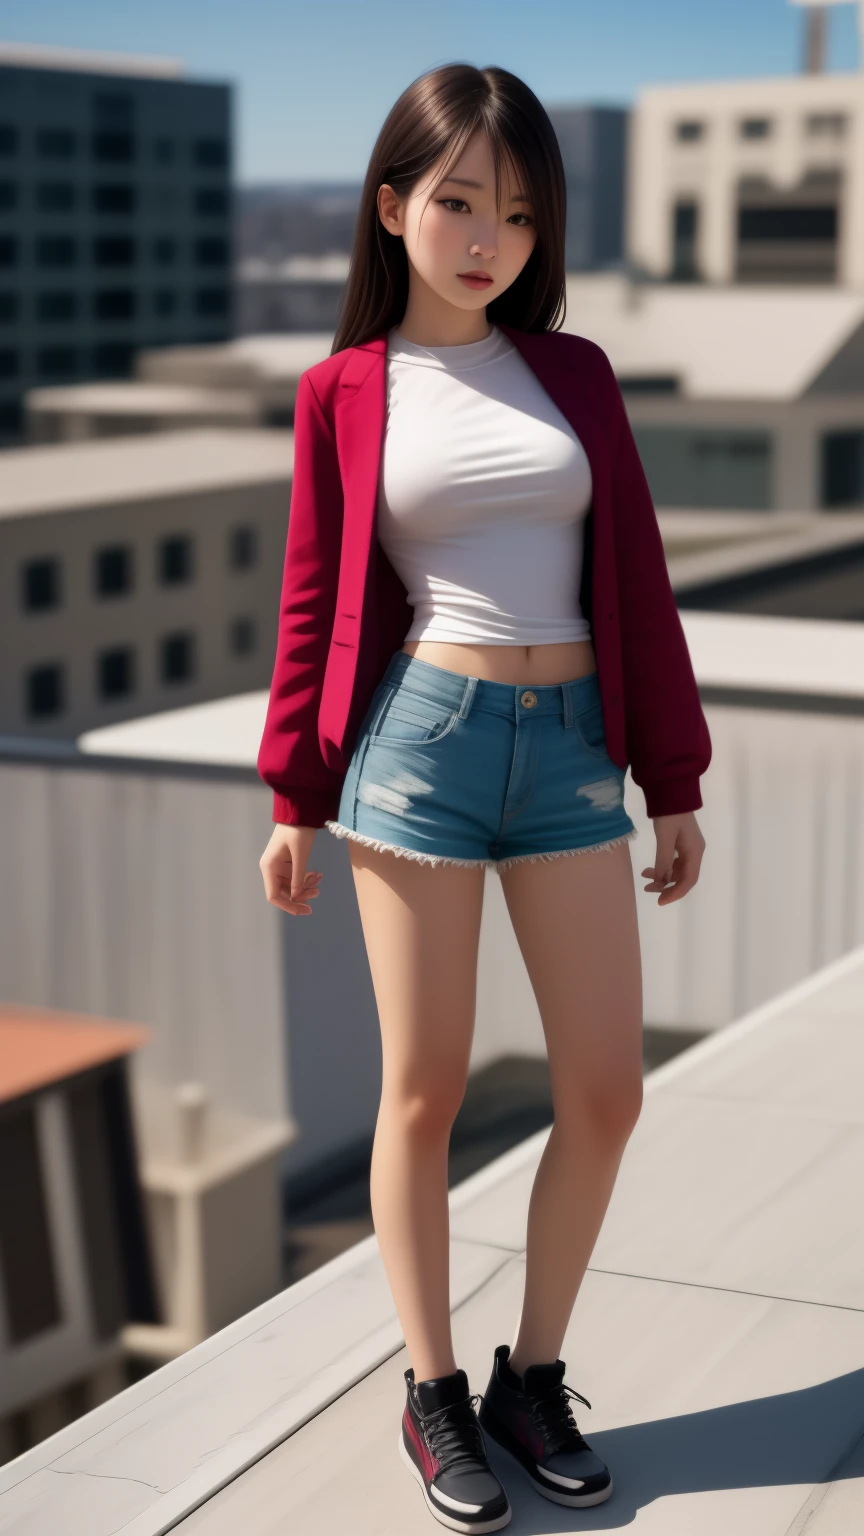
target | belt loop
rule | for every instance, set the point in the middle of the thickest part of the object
(567, 691)
(467, 697)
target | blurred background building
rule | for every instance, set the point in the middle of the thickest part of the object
(115, 216)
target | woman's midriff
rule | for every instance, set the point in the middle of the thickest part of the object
(537, 664)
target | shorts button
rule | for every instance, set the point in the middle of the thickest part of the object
(528, 698)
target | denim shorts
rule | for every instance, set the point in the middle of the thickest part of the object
(452, 769)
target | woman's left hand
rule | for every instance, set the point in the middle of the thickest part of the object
(676, 835)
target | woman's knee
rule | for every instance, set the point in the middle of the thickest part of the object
(609, 1105)
(427, 1110)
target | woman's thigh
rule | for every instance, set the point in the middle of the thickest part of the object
(576, 924)
(421, 926)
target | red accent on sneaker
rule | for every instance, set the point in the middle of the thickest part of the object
(431, 1464)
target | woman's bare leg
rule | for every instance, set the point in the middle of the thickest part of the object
(421, 924)
(576, 924)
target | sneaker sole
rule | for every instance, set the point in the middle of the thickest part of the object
(571, 1500)
(451, 1521)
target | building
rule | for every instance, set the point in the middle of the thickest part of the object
(749, 181)
(251, 380)
(291, 293)
(75, 1258)
(738, 398)
(115, 216)
(138, 575)
(593, 143)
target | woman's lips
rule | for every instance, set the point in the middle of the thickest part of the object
(474, 280)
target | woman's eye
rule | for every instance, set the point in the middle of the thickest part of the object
(445, 200)
(522, 216)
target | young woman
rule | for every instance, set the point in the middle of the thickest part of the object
(477, 638)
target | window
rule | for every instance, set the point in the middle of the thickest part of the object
(113, 359)
(843, 468)
(113, 110)
(9, 363)
(55, 196)
(55, 143)
(211, 301)
(114, 197)
(175, 559)
(211, 253)
(177, 658)
(8, 308)
(685, 235)
(787, 223)
(755, 127)
(57, 362)
(113, 148)
(242, 636)
(40, 584)
(114, 304)
(826, 125)
(8, 195)
(60, 305)
(212, 153)
(165, 301)
(8, 251)
(115, 672)
(46, 691)
(11, 417)
(211, 200)
(689, 131)
(243, 547)
(165, 251)
(113, 570)
(8, 139)
(56, 251)
(114, 251)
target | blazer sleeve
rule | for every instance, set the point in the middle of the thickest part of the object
(668, 743)
(306, 792)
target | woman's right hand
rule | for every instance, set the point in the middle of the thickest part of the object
(287, 882)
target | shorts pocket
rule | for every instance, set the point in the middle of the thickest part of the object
(412, 719)
(592, 732)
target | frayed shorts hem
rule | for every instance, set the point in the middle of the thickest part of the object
(339, 830)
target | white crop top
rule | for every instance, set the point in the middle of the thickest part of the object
(482, 494)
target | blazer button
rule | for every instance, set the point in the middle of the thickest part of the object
(614, 699)
(612, 615)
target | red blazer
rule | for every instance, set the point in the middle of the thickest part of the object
(344, 610)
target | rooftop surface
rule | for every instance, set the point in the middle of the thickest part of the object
(718, 1334)
(43, 56)
(724, 343)
(61, 476)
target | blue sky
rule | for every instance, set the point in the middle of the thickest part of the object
(314, 79)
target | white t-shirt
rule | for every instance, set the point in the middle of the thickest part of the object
(482, 495)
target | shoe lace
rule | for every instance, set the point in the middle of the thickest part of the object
(453, 1432)
(553, 1416)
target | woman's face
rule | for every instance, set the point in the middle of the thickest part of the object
(459, 230)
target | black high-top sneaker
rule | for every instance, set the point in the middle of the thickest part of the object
(530, 1416)
(442, 1446)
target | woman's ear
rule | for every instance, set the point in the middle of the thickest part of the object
(390, 210)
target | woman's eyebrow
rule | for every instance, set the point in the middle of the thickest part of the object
(462, 181)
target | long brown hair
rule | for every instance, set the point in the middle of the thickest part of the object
(437, 113)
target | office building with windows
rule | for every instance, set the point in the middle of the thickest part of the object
(749, 181)
(593, 142)
(115, 216)
(138, 575)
